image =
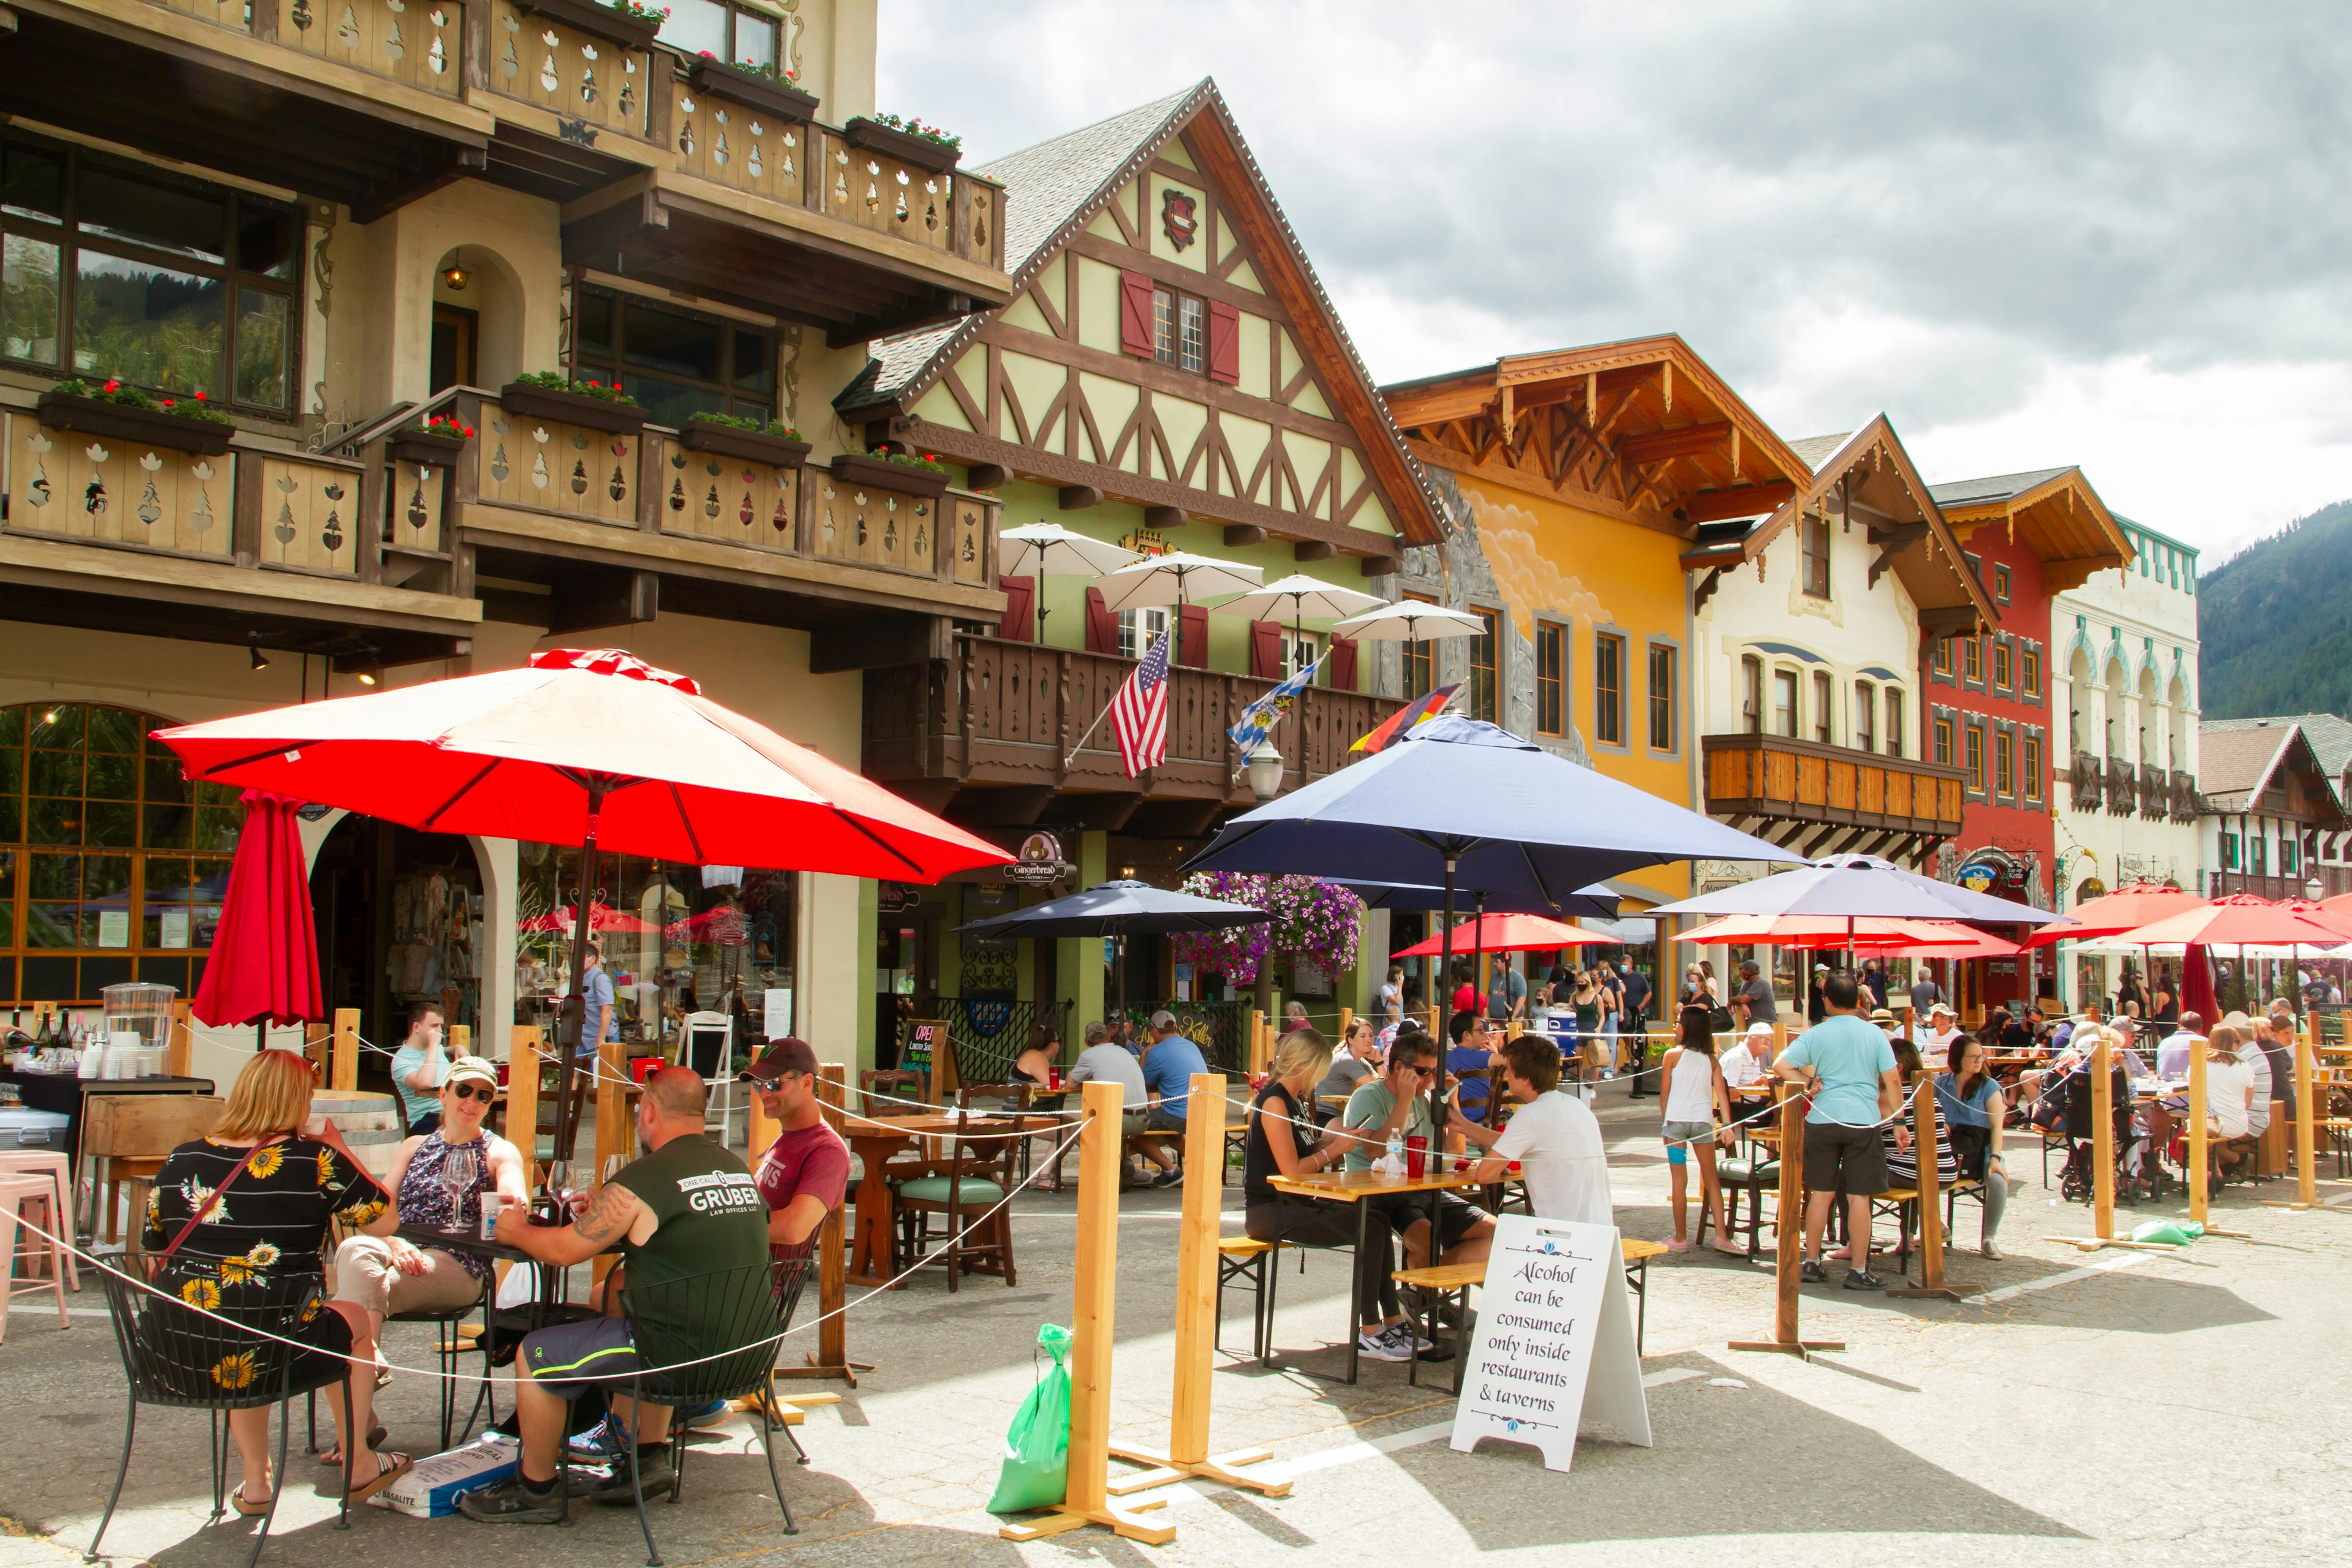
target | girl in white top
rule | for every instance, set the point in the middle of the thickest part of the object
(1698, 1118)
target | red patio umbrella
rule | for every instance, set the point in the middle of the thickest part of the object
(2129, 908)
(587, 746)
(1871, 931)
(1508, 933)
(2239, 919)
(264, 965)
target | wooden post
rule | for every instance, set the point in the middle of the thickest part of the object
(522, 1097)
(2197, 1132)
(2306, 1166)
(1930, 1190)
(1093, 1308)
(612, 1109)
(179, 1047)
(1789, 1238)
(831, 1357)
(344, 1061)
(1258, 1051)
(2103, 1139)
(1186, 1453)
(1347, 1021)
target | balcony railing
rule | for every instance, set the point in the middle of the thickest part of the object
(2333, 880)
(1775, 778)
(2119, 787)
(2181, 796)
(2085, 782)
(2154, 790)
(1007, 713)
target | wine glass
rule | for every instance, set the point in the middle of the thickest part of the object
(458, 1172)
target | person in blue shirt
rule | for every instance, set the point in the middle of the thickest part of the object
(1848, 1067)
(1477, 1046)
(1169, 1060)
(597, 1025)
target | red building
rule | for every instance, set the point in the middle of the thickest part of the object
(2029, 537)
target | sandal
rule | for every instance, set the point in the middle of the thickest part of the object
(394, 1467)
(332, 1456)
(250, 1510)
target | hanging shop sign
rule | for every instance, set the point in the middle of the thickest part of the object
(1041, 863)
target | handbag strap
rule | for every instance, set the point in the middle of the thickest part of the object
(212, 1202)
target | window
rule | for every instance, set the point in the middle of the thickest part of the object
(1549, 640)
(1138, 627)
(2029, 671)
(2259, 865)
(1943, 743)
(2031, 757)
(1975, 765)
(1942, 657)
(1824, 709)
(675, 363)
(1813, 548)
(2288, 847)
(1662, 697)
(1609, 689)
(110, 269)
(2003, 666)
(1179, 331)
(1972, 661)
(1865, 716)
(116, 865)
(730, 32)
(1893, 722)
(2000, 584)
(1420, 660)
(1299, 649)
(2004, 763)
(1482, 691)
(1751, 688)
(2229, 851)
(1784, 704)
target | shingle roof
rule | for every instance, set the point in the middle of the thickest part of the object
(1998, 487)
(2233, 762)
(2330, 737)
(1819, 449)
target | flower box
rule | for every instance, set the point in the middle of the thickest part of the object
(570, 408)
(752, 446)
(430, 448)
(781, 98)
(597, 21)
(919, 150)
(884, 475)
(121, 422)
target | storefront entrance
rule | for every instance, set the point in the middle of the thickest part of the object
(399, 918)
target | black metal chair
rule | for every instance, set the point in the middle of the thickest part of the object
(175, 1356)
(746, 1311)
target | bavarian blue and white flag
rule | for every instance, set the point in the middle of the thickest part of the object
(1258, 720)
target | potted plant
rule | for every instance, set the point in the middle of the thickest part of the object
(755, 86)
(435, 443)
(126, 414)
(624, 22)
(908, 473)
(779, 445)
(910, 141)
(550, 395)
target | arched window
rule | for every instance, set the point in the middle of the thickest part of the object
(113, 866)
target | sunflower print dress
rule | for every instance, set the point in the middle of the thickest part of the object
(257, 1257)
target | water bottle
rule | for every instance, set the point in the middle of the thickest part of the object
(1395, 1150)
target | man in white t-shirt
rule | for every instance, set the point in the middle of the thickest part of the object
(1942, 1031)
(1554, 1137)
(1751, 1059)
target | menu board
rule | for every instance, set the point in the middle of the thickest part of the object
(928, 1050)
(1554, 1343)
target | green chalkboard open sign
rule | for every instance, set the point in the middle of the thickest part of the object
(927, 1049)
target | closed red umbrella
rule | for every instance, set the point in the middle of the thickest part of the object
(264, 967)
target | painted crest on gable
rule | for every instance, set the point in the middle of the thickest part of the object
(1178, 217)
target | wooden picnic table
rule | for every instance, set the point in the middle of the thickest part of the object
(1357, 1187)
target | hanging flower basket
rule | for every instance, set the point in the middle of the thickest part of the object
(884, 474)
(769, 447)
(571, 408)
(714, 76)
(122, 422)
(923, 152)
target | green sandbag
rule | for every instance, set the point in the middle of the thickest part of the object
(2166, 1231)
(1036, 1470)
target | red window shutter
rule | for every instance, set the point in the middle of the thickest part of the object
(1225, 343)
(1192, 641)
(1135, 314)
(1342, 665)
(1265, 649)
(1020, 623)
(1102, 626)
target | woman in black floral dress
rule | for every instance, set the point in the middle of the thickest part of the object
(256, 1253)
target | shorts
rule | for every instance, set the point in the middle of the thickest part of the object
(1455, 1217)
(1678, 1134)
(571, 1358)
(1837, 1155)
(1159, 1119)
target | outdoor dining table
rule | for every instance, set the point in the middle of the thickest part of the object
(1357, 1187)
(875, 1140)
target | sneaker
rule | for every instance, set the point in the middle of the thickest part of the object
(1380, 1344)
(602, 1444)
(1172, 1177)
(1408, 1336)
(710, 1415)
(514, 1502)
(1810, 1272)
(1991, 1249)
(653, 1462)
(1861, 1279)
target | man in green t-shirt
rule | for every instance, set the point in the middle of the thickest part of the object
(1398, 1101)
(688, 1207)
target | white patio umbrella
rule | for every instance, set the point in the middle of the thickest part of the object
(1410, 621)
(1044, 547)
(1176, 578)
(1303, 596)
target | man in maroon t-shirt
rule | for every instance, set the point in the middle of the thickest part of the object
(806, 1171)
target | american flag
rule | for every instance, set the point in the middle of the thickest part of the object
(1140, 712)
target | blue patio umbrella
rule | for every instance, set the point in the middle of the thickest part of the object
(1114, 910)
(1456, 803)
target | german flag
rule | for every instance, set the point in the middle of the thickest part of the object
(1428, 705)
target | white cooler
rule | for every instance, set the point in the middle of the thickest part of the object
(35, 1129)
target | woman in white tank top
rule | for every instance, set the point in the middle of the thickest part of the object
(1697, 1116)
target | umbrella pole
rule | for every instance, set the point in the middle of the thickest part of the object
(1445, 1022)
(566, 1125)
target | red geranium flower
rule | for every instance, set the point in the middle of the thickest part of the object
(113, 386)
(167, 403)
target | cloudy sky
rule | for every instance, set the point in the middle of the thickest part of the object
(2113, 235)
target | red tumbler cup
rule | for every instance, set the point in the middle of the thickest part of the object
(1417, 1156)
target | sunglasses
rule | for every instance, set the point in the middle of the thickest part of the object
(484, 1092)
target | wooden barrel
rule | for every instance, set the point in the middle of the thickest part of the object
(370, 1124)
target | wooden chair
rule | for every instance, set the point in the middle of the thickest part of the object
(902, 1082)
(131, 1134)
(1013, 1096)
(974, 1181)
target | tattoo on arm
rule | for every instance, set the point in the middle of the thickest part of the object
(609, 1215)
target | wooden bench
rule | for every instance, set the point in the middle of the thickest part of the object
(1246, 1257)
(1440, 1279)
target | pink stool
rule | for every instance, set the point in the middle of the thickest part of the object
(15, 1192)
(29, 1162)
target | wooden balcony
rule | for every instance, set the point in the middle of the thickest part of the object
(2085, 782)
(990, 734)
(2119, 787)
(2181, 796)
(1821, 800)
(249, 545)
(2333, 879)
(725, 189)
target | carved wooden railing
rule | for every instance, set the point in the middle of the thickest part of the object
(1775, 776)
(2119, 787)
(2085, 782)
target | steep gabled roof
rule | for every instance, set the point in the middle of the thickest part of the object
(1053, 189)
(2329, 737)
(2063, 519)
(2235, 765)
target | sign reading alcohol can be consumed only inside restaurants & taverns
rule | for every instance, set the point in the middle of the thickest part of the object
(1554, 1343)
